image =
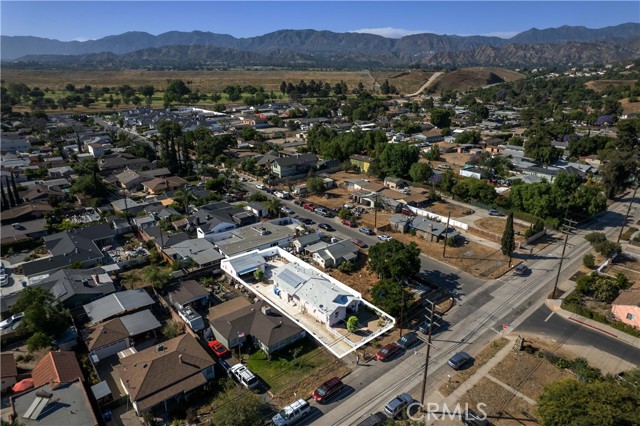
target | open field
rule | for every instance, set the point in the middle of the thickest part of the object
(629, 107)
(600, 85)
(215, 81)
(496, 225)
(204, 81)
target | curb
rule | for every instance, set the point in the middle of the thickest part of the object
(553, 304)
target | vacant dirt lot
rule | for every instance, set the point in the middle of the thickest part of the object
(361, 280)
(627, 266)
(496, 225)
(473, 258)
(522, 371)
(443, 208)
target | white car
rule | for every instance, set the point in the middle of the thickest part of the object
(11, 321)
(384, 237)
(260, 186)
(4, 280)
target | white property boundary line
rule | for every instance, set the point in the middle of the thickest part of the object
(277, 251)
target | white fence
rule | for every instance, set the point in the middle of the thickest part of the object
(438, 218)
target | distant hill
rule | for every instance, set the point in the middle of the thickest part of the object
(326, 48)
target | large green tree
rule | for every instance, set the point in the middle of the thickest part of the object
(420, 172)
(235, 407)
(42, 315)
(389, 295)
(441, 118)
(599, 403)
(394, 260)
(397, 159)
(176, 91)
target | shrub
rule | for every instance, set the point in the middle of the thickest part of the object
(595, 237)
(352, 324)
(346, 267)
(589, 261)
(38, 340)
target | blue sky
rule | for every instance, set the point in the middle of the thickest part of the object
(82, 20)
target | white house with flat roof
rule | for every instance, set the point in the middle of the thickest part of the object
(316, 301)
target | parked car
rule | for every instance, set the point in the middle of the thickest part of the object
(4, 280)
(387, 351)
(292, 413)
(260, 186)
(308, 206)
(376, 419)
(521, 269)
(218, 349)
(366, 231)
(349, 223)
(494, 212)
(471, 418)
(424, 327)
(328, 389)
(286, 210)
(408, 340)
(395, 406)
(359, 243)
(299, 202)
(384, 237)
(11, 321)
(307, 221)
(326, 227)
(459, 360)
(244, 376)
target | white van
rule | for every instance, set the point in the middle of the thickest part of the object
(292, 413)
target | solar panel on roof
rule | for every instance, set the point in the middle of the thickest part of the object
(290, 278)
(36, 408)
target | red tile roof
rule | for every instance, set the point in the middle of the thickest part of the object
(56, 367)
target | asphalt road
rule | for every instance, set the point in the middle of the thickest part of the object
(566, 332)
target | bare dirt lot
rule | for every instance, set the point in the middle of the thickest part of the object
(474, 258)
(526, 373)
(443, 208)
(627, 266)
(496, 226)
(361, 280)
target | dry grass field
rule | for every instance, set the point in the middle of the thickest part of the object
(204, 81)
(600, 85)
(215, 81)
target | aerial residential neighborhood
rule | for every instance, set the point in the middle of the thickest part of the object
(254, 239)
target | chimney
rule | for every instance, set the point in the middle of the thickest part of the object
(180, 358)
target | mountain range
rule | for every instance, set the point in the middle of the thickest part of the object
(312, 48)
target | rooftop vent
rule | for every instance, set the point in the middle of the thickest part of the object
(266, 310)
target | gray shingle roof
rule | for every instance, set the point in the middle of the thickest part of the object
(117, 304)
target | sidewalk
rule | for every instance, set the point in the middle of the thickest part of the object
(554, 305)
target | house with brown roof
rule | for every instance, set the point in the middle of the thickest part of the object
(626, 307)
(236, 320)
(187, 293)
(55, 368)
(8, 371)
(110, 337)
(162, 184)
(166, 373)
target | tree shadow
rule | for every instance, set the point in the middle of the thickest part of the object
(444, 281)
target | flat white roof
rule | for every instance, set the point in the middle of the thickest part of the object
(290, 271)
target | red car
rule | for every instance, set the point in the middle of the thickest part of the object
(387, 351)
(218, 349)
(359, 243)
(349, 223)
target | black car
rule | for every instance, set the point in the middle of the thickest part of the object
(326, 227)
(408, 340)
(307, 221)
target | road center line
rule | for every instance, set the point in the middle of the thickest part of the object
(550, 315)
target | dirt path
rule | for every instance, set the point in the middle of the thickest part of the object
(429, 82)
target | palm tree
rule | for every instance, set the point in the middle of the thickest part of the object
(273, 206)
(182, 197)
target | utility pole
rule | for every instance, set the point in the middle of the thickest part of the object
(426, 362)
(567, 227)
(401, 313)
(627, 215)
(375, 222)
(446, 236)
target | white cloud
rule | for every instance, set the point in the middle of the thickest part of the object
(389, 32)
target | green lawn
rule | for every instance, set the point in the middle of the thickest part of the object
(281, 373)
